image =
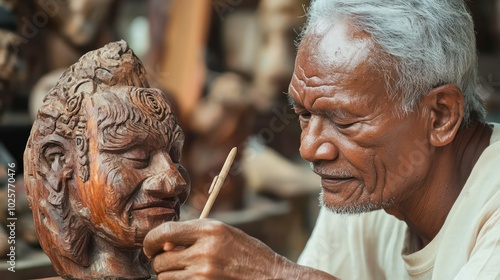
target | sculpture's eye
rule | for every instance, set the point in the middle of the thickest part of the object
(138, 156)
(53, 156)
(103, 74)
(53, 152)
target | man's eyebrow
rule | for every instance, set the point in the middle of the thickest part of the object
(291, 101)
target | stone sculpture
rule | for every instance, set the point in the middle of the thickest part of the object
(102, 167)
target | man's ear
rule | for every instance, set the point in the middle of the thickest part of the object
(445, 106)
(56, 170)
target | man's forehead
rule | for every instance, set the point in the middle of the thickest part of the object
(331, 48)
(337, 61)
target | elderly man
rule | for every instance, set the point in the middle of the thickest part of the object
(102, 167)
(386, 93)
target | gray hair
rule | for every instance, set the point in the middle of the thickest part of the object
(431, 41)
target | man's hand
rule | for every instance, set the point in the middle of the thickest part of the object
(209, 249)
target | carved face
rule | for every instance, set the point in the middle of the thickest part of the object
(367, 156)
(102, 166)
(8, 60)
(136, 181)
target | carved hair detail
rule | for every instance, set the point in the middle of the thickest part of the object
(124, 108)
(145, 100)
(82, 147)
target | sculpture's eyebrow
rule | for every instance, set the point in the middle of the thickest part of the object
(122, 140)
(176, 135)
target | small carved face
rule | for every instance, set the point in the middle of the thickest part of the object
(136, 181)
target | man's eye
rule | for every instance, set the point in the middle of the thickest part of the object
(345, 126)
(304, 116)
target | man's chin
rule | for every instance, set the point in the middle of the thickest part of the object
(352, 208)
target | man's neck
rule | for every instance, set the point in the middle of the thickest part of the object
(425, 211)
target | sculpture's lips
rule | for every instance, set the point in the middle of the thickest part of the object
(166, 206)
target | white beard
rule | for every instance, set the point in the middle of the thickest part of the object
(355, 208)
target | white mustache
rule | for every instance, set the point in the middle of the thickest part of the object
(337, 173)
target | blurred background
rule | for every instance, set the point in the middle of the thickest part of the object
(225, 65)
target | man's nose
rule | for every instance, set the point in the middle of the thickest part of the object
(166, 180)
(315, 143)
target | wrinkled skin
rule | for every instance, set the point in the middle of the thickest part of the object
(348, 125)
(359, 144)
(214, 250)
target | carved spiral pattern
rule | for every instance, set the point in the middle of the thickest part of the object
(147, 100)
(74, 104)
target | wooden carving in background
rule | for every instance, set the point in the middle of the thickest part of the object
(102, 167)
(8, 59)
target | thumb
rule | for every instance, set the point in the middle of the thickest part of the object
(169, 235)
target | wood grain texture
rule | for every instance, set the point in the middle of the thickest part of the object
(102, 167)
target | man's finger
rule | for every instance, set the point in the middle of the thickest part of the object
(173, 275)
(179, 233)
(170, 261)
(168, 246)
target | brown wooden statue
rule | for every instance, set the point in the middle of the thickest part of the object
(102, 167)
(222, 120)
(8, 59)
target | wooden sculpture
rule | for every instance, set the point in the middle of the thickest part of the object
(102, 167)
(222, 120)
(8, 59)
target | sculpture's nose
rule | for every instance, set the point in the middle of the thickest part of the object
(167, 180)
